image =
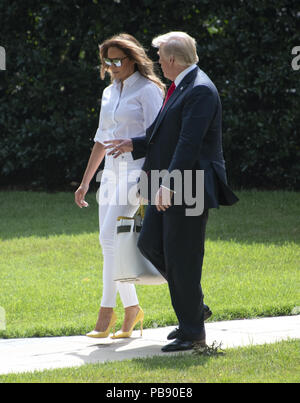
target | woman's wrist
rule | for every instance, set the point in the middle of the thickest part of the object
(84, 185)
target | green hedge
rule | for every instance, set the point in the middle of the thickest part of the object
(50, 92)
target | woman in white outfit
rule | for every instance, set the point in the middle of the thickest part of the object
(129, 105)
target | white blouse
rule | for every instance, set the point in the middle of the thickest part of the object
(128, 113)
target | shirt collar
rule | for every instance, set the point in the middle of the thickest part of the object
(130, 80)
(181, 76)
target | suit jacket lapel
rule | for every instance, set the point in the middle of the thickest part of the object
(178, 91)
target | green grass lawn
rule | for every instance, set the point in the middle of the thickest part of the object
(278, 363)
(51, 263)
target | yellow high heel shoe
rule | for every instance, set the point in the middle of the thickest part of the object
(139, 318)
(101, 335)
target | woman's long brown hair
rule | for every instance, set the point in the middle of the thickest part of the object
(135, 51)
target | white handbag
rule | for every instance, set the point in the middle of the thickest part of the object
(130, 265)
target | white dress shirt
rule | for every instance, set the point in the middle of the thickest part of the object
(128, 113)
(181, 76)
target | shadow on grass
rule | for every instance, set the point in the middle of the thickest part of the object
(259, 217)
(26, 214)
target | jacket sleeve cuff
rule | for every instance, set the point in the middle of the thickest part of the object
(139, 147)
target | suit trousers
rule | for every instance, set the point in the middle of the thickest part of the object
(174, 243)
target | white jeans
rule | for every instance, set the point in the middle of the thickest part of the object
(113, 202)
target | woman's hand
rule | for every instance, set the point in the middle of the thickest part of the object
(80, 194)
(119, 147)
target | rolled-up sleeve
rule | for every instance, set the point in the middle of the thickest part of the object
(100, 133)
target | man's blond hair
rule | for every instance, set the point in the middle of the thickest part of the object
(178, 44)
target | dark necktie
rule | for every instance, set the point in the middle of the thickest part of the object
(169, 93)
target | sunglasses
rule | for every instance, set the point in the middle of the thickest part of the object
(116, 62)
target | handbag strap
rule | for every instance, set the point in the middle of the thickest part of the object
(127, 228)
(138, 221)
(141, 211)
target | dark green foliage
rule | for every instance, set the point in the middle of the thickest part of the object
(50, 92)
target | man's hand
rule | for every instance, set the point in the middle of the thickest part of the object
(163, 198)
(119, 147)
(80, 194)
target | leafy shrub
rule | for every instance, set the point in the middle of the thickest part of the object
(51, 91)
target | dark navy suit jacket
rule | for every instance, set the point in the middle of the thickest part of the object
(187, 135)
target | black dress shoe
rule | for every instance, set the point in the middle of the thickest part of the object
(173, 335)
(181, 345)
(207, 312)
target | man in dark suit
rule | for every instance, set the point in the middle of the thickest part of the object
(186, 137)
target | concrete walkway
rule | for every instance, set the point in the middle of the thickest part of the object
(22, 355)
